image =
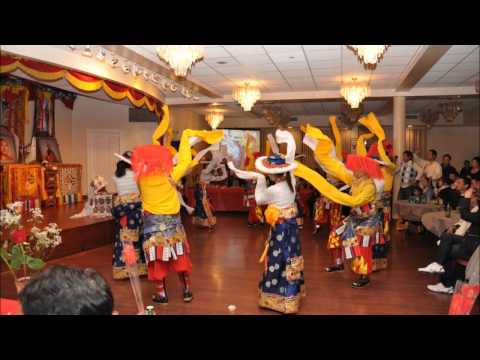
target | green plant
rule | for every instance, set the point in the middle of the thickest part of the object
(21, 252)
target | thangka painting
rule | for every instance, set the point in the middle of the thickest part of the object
(24, 183)
(44, 114)
(48, 150)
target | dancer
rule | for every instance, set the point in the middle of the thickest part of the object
(359, 230)
(282, 283)
(165, 245)
(320, 212)
(203, 213)
(127, 211)
(255, 213)
(384, 203)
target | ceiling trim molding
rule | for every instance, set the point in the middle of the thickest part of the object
(56, 56)
(321, 95)
(428, 57)
(143, 58)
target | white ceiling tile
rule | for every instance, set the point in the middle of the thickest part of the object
(461, 49)
(452, 59)
(288, 57)
(213, 62)
(283, 48)
(308, 48)
(215, 52)
(321, 55)
(401, 50)
(433, 75)
(239, 50)
(253, 59)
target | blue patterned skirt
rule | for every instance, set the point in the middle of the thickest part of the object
(128, 228)
(282, 284)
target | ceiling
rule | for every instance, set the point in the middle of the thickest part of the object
(295, 68)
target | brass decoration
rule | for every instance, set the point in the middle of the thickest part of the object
(450, 110)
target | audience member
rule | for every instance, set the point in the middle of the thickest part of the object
(465, 169)
(431, 168)
(62, 290)
(447, 168)
(475, 169)
(456, 243)
(451, 195)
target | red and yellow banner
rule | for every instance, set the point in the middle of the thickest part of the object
(80, 81)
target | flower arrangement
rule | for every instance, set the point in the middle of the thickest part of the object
(26, 252)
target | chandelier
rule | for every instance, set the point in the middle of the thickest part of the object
(348, 115)
(370, 55)
(214, 119)
(246, 96)
(354, 94)
(180, 57)
(428, 117)
(450, 110)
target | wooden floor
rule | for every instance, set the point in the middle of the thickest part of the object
(226, 271)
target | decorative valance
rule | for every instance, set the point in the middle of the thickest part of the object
(80, 81)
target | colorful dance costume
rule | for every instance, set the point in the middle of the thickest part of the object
(203, 214)
(320, 212)
(363, 227)
(255, 213)
(127, 211)
(282, 284)
(166, 246)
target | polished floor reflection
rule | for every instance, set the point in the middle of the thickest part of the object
(226, 272)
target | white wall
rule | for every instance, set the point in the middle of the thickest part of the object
(95, 114)
(460, 142)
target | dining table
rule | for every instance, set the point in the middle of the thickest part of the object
(414, 211)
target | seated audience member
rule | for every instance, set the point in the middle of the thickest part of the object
(447, 168)
(451, 195)
(425, 185)
(459, 242)
(61, 290)
(465, 169)
(452, 177)
(475, 169)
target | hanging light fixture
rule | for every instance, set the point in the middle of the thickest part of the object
(246, 96)
(370, 55)
(180, 57)
(354, 94)
(214, 119)
(450, 110)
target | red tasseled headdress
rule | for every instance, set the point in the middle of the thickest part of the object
(364, 164)
(373, 150)
(151, 160)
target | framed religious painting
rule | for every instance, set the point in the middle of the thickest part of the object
(44, 118)
(8, 148)
(48, 150)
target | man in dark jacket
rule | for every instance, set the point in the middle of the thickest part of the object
(447, 168)
(455, 247)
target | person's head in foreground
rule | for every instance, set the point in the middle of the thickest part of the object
(62, 290)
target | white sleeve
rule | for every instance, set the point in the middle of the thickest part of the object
(262, 195)
(419, 171)
(421, 162)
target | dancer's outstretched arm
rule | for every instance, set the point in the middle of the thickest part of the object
(366, 195)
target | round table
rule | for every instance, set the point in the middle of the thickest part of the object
(437, 222)
(414, 212)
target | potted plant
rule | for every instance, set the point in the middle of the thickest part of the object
(25, 253)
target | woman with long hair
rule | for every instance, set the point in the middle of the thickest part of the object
(127, 211)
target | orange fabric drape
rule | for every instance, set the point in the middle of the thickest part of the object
(80, 81)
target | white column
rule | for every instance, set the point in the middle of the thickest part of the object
(398, 136)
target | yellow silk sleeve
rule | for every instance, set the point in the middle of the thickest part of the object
(361, 149)
(162, 127)
(324, 154)
(365, 196)
(185, 151)
(336, 135)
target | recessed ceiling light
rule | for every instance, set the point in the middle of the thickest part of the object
(222, 62)
(291, 57)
